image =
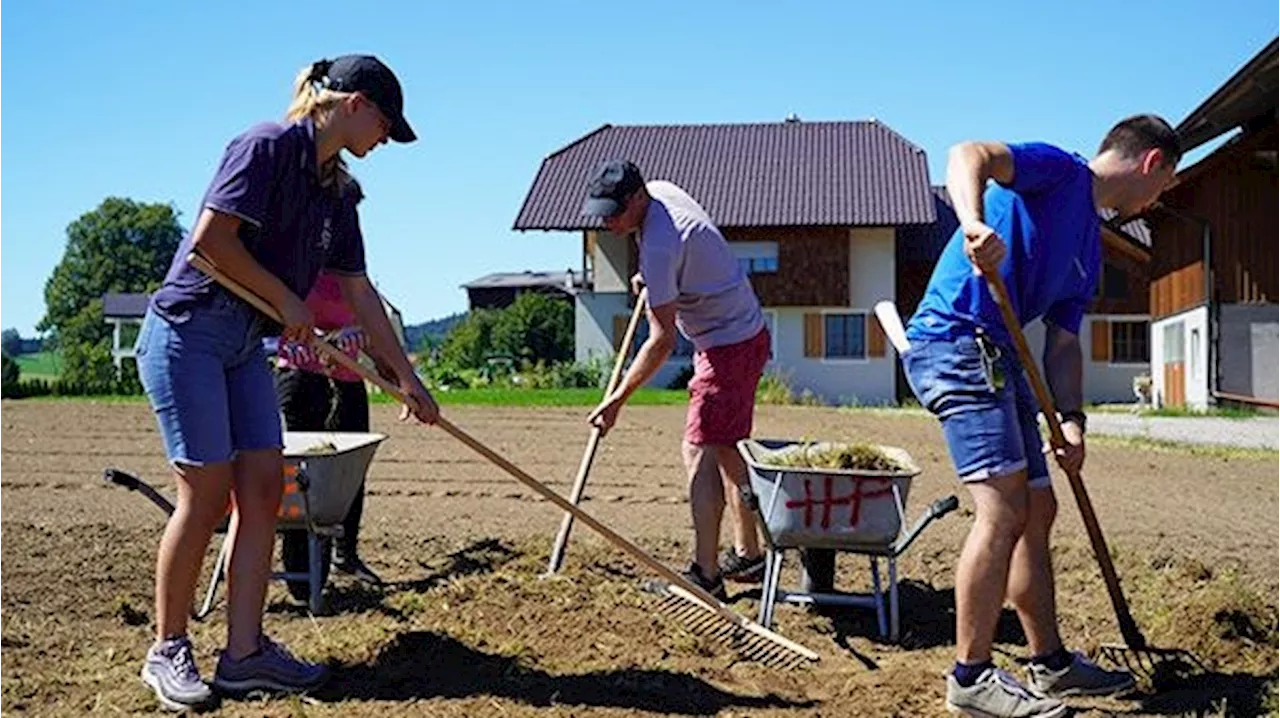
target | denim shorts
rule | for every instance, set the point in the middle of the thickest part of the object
(990, 426)
(209, 382)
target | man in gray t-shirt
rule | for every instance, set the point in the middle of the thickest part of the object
(696, 287)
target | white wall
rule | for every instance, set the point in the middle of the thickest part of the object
(1105, 382)
(844, 381)
(609, 263)
(593, 332)
(835, 381)
(1194, 328)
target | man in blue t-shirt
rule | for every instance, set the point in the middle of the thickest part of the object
(1038, 226)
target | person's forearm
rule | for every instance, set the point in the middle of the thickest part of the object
(652, 355)
(967, 173)
(1064, 369)
(371, 317)
(216, 241)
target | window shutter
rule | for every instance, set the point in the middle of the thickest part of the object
(619, 329)
(875, 337)
(813, 335)
(1100, 340)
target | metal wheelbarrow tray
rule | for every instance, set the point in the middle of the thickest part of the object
(824, 510)
(319, 487)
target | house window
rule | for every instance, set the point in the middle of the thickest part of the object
(756, 257)
(844, 336)
(1130, 343)
(1174, 344)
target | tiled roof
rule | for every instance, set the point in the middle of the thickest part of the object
(566, 281)
(750, 175)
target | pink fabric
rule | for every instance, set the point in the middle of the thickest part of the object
(332, 313)
(722, 393)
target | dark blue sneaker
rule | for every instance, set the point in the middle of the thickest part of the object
(271, 668)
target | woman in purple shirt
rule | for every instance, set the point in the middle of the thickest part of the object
(280, 209)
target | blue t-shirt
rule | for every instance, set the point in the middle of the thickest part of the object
(292, 226)
(1050, 226)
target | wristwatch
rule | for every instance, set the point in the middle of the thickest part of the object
(1076, 416)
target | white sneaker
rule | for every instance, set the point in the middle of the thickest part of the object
(1081, 678)
(996, 694)
(170, 670)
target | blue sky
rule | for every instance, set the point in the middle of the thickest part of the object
(137, 98)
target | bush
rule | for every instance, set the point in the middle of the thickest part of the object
(775, 388)
(11, 372)
(681, 380)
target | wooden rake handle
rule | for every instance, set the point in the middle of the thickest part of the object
(593, 442)
(617, 540)
(1128, 627)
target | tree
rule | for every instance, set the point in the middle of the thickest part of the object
(10, 373)
(470, 342)
(11, 342)
(536, 326)
(122, 246)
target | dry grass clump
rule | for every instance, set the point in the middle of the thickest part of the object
(856, 457)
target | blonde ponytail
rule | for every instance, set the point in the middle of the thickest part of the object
(312, 99)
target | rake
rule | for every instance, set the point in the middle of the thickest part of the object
(1160, 666)
(593, 442)
(702, 613)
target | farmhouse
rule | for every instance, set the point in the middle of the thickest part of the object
(1213, 278)
(826, 218)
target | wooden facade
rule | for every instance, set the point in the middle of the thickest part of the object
(1234, 190)
(813, 265)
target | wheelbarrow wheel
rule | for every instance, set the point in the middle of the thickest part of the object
(818, 570)
(293, 553)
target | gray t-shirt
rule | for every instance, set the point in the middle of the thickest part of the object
(685, 259)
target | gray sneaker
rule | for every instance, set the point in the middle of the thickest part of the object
(996, 694)
(170, 670)
(271, 668)
(1081, 678)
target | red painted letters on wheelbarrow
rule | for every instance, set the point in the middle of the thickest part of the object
(828, 501)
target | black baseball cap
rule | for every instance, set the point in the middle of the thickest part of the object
(367, 75)
(611, 183)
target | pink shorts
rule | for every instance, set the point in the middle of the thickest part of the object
(722, 392)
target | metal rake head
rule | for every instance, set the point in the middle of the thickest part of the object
(1162, 668)
(701, 620)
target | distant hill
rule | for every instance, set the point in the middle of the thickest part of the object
(437, 328)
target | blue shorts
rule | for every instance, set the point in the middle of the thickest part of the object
(209, 382)
(991, 430)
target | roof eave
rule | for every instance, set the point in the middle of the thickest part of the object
(1200, 126)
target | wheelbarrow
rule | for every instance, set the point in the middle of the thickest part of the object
(820, 511)
(323, 471)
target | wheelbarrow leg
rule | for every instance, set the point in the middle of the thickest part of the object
(219, 567)
(879, 598)
(893, 599)
(315, 572)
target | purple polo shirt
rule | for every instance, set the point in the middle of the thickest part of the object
(290, 224)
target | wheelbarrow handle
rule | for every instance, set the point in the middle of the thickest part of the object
(936, 510)
(133, 483)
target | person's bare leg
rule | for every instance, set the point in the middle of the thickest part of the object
(1031, 586)
(733, 473)
(706, 502)
(201, 504)
(1000, 513)
(259, 481)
